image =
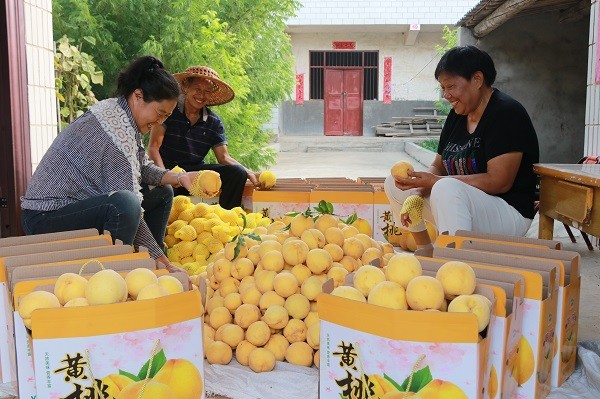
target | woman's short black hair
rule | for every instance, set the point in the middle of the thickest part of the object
(148, 74)
(465, 61)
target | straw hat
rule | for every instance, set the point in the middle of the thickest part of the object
(222, 93)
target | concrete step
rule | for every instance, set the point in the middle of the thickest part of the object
(345, 143)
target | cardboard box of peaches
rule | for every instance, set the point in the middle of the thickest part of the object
(520, 342)
(100, 320)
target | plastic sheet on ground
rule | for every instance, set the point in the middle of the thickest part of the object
(584, 383)
(8, 391)
(235, 381)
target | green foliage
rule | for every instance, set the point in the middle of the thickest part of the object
(443, 106)
(75, 73)
(430, 144)
(243, 40)
(450, 38)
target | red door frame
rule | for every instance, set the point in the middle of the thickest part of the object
(336, 116)
(15, 150)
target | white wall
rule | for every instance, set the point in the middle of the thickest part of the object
(412, 66)
(39, 47)
(361, 12)
(592, 112)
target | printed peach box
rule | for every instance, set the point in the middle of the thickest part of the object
(506, 322)
(24, 280)
(367, 350)
(117, 347)
(14, 248)
(536, 345)
(26, 251)
(279, 201)
(565, 349)
(107, 349)
(346, 200)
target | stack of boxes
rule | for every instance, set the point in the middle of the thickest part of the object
(83, 351)
(528, 348)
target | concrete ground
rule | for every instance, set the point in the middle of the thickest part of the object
(377, 164)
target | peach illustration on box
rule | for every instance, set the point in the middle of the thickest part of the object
(419, 384)
(521, 362)
(492, 383)
(570, 340)
(158, 378)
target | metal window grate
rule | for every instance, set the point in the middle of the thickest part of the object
(316, 83)
(368, 61)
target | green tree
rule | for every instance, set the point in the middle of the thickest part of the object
(244, 40)
(75, 73)
(450, 38)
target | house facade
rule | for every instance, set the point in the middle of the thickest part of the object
(546, 56)
(359, 63)
(28, 109)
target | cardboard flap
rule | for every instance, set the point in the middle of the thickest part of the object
(552, 271)
(27, 273)
(329, 180)
(527, 241)
(344, 188)
(534, 281)
(111, 319)
(570, 259)
(83, 242)
(48, 237)
(35, 281)
(26, 286)
(499, 304)
(375, 319)
(389, 323)
(12, 262)
(456, 241)
(511, 283)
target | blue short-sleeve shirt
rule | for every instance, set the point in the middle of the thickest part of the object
(187, 145)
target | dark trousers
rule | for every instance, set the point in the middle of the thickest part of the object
(233, 179)
(118, 212)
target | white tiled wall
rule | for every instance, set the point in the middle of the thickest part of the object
(362, 12)
(40, 76)
(592, 113)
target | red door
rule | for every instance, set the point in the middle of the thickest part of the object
(343, 102)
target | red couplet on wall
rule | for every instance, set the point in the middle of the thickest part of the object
(299, 88)
(387, 80)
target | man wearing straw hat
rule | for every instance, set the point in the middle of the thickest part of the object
(193, 129)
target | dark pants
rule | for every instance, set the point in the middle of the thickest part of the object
(233, 178)
(118, 212)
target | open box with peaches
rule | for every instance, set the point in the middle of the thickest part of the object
(387, 332)
(116, 331)
(567, 263)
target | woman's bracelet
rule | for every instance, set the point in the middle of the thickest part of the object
(178, 176)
